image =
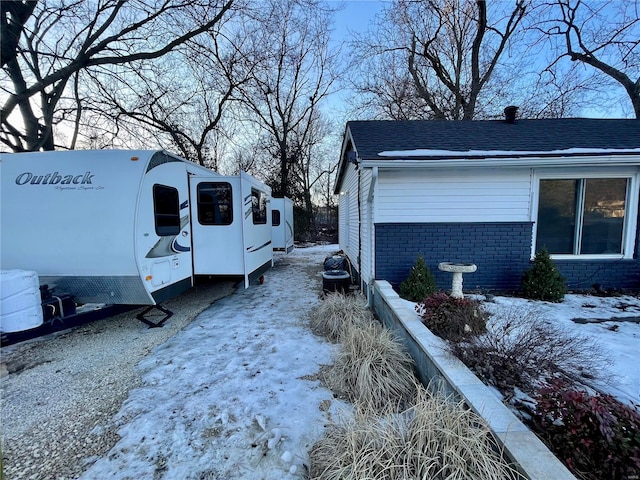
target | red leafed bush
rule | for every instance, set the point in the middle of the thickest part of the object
(596, 436)
(452, 318)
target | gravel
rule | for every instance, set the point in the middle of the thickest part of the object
(60, 392)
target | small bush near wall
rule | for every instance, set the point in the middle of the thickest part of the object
(543, 280)
(452, 318)
(520, 349)
(419, 283)
(597, 436)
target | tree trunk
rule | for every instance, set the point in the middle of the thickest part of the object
(284, 169)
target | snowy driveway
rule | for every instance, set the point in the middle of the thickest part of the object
(233, 395)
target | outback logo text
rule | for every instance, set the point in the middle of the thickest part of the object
(54, 179)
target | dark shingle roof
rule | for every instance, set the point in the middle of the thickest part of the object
(373, 137)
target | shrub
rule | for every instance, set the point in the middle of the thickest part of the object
(595, 435)
(452, 318)
(336, 312)
(419, 283)
(372, 368)
(543, 281)
(519, 349)
(436, 438)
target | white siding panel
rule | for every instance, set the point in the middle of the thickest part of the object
(348, 215)
(343, 210)
(355, 219)
(429, 195)
(366, 229)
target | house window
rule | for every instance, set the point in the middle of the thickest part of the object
(583, 216)
(215, 203)
(259, 206)
(275, 218)
(166, 209)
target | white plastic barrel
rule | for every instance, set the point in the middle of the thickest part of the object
(20, 303)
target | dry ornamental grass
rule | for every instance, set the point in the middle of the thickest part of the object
(337, 312)
(372, 368)
(435, 439)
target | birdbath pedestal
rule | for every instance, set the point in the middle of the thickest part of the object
(457, 269)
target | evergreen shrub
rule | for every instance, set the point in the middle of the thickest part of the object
(419, 284)
(543, 280)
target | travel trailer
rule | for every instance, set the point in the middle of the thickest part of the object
(282, 224)
(130, 227)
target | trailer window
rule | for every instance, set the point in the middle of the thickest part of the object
(259, 206)
(166, 208)
(214, 203)
(275, 218)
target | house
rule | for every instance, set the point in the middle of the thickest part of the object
(492, 193)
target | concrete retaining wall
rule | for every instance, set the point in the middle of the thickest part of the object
(531, 456)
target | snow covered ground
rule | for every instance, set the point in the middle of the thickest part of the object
(618, 336)
(235, 393)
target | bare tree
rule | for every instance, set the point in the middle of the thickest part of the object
(296, 72)
(602, 35)
(14, 15)
(450, 48)
(182, 97)
(447, 50)
(385, 88)
(64, 39)
(313, 165)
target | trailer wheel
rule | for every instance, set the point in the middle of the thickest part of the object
(261, 279)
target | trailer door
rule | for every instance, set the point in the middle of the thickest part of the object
(216, 225)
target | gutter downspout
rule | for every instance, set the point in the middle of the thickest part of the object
(374, 179)
(359, 195)
(372, 235)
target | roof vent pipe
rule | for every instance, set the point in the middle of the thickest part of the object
(510, 114)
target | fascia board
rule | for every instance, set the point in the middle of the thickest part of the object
(525, 162)
(342, 164)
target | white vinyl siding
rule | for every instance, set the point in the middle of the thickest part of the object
(343, 220)
(366, 229)
(472, 195)
(348, 215)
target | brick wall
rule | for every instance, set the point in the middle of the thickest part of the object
(500, 250)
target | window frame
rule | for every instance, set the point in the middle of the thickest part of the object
(174, 230)
(275, 222)
(629, 229)
(201, 204)
(260, 212)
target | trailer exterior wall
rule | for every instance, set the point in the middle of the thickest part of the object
(75, 217)
(256, 208)
(282, 234)
(235, 243)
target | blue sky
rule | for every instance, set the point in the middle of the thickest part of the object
(355, 16)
